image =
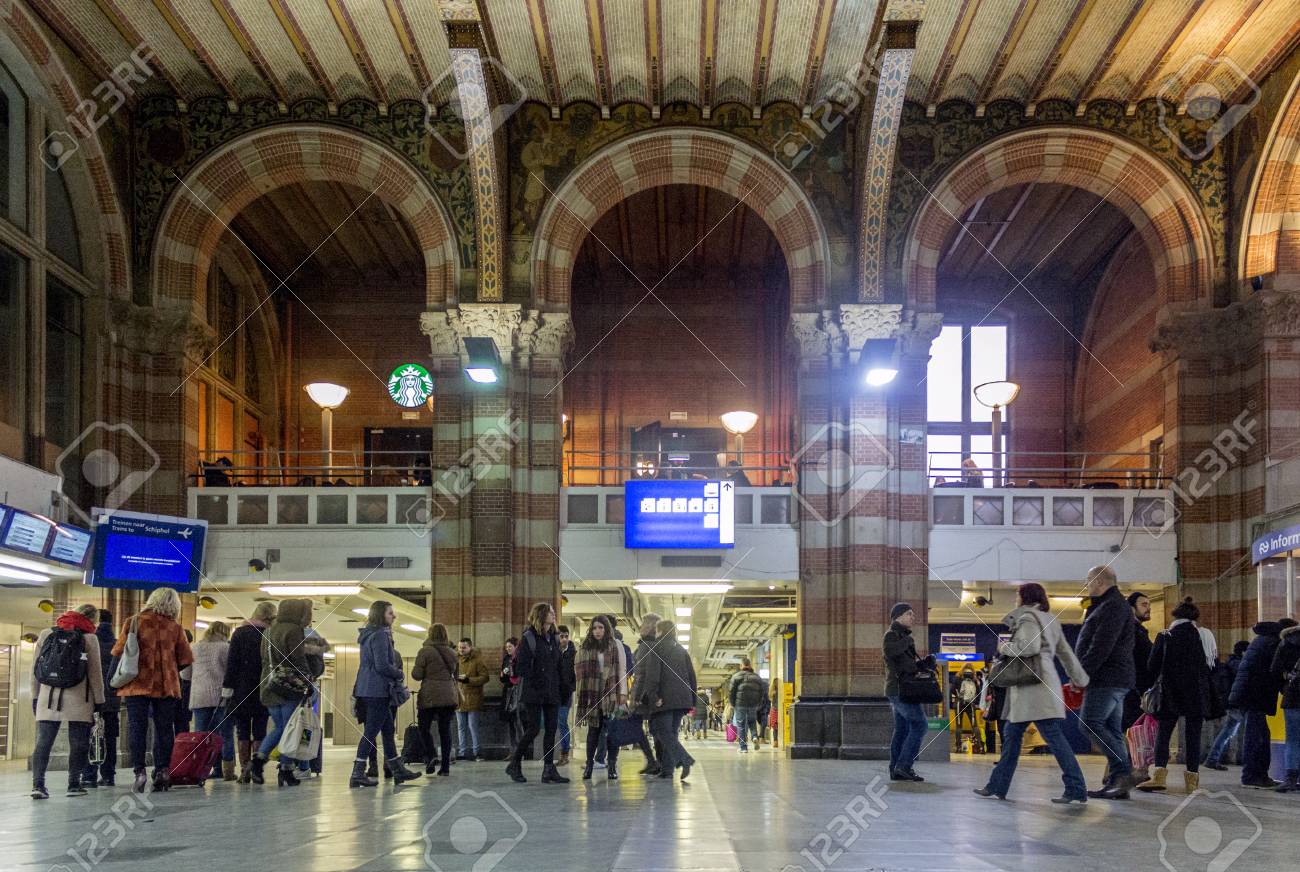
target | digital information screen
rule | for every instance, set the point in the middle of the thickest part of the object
(69, 545)
(27, 533)
(143, 552)
(679, 514)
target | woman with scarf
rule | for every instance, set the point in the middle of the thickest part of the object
(600, 671)
(74, 706)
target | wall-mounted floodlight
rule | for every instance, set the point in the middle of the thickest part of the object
(484, 364)
(879, 361)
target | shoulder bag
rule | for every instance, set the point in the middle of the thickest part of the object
(283, 679)
(128, 662)
(1008, 671)
(1155, 694)
(301, 737)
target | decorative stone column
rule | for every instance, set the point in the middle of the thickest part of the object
(495, 500)
(862, 535)
(1232, 430)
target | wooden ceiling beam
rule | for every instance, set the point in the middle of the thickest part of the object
(312, 249)
(1130, 25)
(1223, 47)
(406, 36)
(194, 45)
(254, 55)
(1281, 49)
(1073, 26)
(961, 235)
(1185, 28)
(763, 53)
(654, 53)
(296, 36)
(1015, 30)
(333, 234)
(51, 12)
(708, 54)
(956, 38)
(1011, 216)
(121, 23)
(599, 42)
(348, 30)
(816, 54)
(545, 54)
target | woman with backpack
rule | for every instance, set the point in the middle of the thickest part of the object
(155, 692)
(379, 689)
(537, 667)
(436, 667)
(1180, 668)
(1037, 640)
(1286, 669)
(600, 671)
(211, 654)
(67, 688)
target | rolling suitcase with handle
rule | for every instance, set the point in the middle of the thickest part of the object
(193, 755)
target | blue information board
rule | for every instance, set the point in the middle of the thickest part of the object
(1275, 542)
(692, 513)
(143, 552)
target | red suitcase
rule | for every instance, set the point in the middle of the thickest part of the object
(193, 755)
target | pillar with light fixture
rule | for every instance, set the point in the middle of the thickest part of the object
(858, 455)
(498, 429)
(329, 397)
(996, 395)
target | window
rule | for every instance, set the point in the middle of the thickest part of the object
(252, 384)
(62, 363)
(60, 220)
(205, 416)
(11, 336)
(961, 357)
(13, 150)
(227, 323)
(226, 427)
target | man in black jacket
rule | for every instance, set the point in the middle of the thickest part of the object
(1105, 651)
(1140, 603)
(568, 681)
(1255, 691)
(910, 723)
(111, 713)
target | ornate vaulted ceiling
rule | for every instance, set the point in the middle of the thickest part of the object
(704, 52)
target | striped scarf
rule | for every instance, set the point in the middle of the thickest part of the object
(599, 690)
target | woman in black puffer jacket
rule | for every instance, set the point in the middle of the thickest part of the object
(1180, 664)
(1285, 664)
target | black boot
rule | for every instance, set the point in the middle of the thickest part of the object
(515, 771)
(400, 773)
(286, 778)
(611, 769)
(586, 770)
(1291, 784)
(361, 778)
(551, 775)
(257, 768)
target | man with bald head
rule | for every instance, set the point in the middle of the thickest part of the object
(1105, 651)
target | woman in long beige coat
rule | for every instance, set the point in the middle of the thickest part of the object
(74, 706)
(1034, 634)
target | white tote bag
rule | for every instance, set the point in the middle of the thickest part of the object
(128, 662)
(301, 737)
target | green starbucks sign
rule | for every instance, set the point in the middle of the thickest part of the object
(410, 385)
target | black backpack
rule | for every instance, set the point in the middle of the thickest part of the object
(62, 662)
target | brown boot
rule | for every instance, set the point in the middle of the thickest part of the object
(245, 749)
(228, 771)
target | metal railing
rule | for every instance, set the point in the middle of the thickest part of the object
(1108, 470)
(307, 468)
(757, 468)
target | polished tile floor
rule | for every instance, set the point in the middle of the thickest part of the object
(756, 812)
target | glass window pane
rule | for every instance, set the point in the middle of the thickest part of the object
(744, 508)
(943, 376)
(987, 511)
(372, 508)
(62, 363)
(331, 509)
(212, 509)
(613, 508)
(944, 454)
(583, 509)
(291, 509)
(988, 362)
(948, 509)
(61, 220)
(13, 149)
(11, 336)
(1108, 511)
(1027, 511)
(226, 429)
(1067, 511)
(252, 509)
(774, 509)
(982, 453)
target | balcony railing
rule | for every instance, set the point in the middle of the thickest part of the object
(307, 507)
(1048, 469)
(1148, 509)
(603, 506)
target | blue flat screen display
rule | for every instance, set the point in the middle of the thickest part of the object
(69, 545)
(143, 552)
(27, 533)
(679, 514)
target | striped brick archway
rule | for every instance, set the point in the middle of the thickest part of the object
(1271, 247)
(216, 190)
(679, 157)
(1162, 208)
(29, 38)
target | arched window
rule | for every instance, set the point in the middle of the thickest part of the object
(61, 236)
(13, 149)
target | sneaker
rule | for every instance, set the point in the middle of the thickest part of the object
(744, 750)
(480, 759)
(598, 765)
(90, 784)
(1263, 782)
(76, 790)
(1066, 799)
(39, 792)
(1217, 767)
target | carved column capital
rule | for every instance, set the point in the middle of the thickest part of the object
(172, 328)
(513, 329)
(548, 334)
(841, 333)
(1203, 333)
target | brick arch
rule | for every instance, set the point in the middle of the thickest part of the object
(1270, 246)
(679, 157)
(1162, 208)
(110, 226)
(220, 186)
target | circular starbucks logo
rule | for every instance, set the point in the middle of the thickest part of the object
(410, 385)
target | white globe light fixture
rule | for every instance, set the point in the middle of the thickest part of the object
(329, 397)
(739, 423)
(996, 395)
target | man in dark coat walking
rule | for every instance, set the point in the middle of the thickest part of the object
(1255, 691)
(111, 712)
(1140, 603)
(1105, 651)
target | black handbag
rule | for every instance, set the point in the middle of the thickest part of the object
(287, 682)
(1154, 696)
(414, 749)
(921, 687)
(513, 698)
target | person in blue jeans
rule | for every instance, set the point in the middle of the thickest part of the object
(1036, 636)
(1105, 652)
(1255, 691)
(1233, 718)
(282, 649)
(1286, 660)
(746, 691)
(909, 717)
(379, 675)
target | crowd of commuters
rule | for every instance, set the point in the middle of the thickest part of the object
(1121, 673)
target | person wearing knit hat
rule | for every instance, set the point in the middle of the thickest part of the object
(910, 722)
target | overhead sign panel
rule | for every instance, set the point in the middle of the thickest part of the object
(144, 552)
(691, 513)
